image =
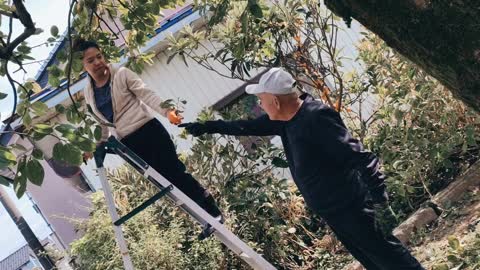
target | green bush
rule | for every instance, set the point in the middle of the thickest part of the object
(424, 136)
(160, 237)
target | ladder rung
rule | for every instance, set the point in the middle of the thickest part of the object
(142, 206)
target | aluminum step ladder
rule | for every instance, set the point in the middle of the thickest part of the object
(229, 239)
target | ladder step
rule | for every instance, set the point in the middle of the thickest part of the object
(142, 206)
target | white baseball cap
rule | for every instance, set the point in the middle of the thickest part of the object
(275, 81)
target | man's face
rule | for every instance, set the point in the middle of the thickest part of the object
(269, 103)
(94, 63)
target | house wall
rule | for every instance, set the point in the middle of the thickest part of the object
(61, 200)
(200, 87)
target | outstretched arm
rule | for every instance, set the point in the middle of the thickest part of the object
(261, 126)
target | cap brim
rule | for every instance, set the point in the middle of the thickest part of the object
(252, 89)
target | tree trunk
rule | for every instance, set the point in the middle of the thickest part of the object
(442, 37)
(26, 231)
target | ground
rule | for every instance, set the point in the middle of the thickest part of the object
(453, 241)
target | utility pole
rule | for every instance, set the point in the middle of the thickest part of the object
(26, 231)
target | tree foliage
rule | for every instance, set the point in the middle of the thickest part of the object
(242, 36)
(107, 22)
(424, 136)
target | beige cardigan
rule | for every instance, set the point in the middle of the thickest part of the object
(129, 96)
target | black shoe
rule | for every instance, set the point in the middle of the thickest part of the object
(208, 230)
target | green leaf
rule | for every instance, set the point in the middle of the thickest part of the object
(68, 154)
(244, 21)
(28, 86)
(219, 13)
(20, 181)
(62, 56)
(3, 165)
(18, 147)
(37, 136)
(27, 119)
(26, 57)
(4, 181)
(453, 242)
(36, 87)
(54, 31)
(98, 133)
(35, 172)
(167, 104)
(77, 65)
(3, 95)
(279, 162)
(6, 156)
(442, 266)
(140, 37)
(37, 153)
(53, 81)
(183, 58)
(170, 58)
(255, 9)
(43, 129)
(39, 108)
(54, 71)
(20, 185)
(60, 108)
(69, 114)
(65, 128)
(83, 144)
(4, 6)
(453, 258)
(24, 48)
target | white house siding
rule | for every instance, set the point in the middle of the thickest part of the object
(201, 88)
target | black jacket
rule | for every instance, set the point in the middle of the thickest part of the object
(329, 166)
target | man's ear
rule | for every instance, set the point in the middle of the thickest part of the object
(276, 102)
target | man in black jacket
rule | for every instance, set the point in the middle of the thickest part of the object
(337, 178)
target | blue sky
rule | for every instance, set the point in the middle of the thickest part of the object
(45, 13)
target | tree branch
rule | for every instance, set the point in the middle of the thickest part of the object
(26, 20)
(106, 24)
(15, 98)
(69, 67)
(118, 27)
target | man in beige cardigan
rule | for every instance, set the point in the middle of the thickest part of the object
(117, 97)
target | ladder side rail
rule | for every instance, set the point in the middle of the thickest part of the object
(120, 239)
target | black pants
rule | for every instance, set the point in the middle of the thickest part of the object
(357, 230)
(153, 144)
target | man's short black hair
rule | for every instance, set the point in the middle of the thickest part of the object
(83, 45)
